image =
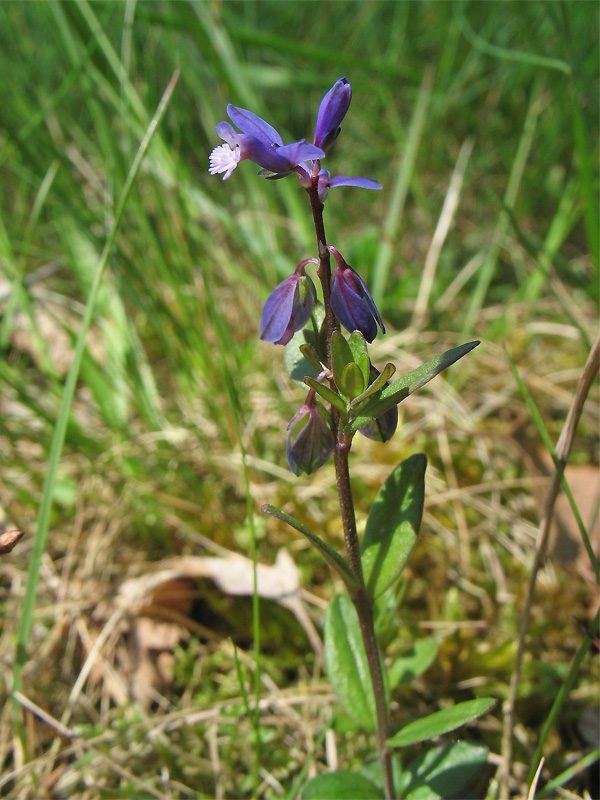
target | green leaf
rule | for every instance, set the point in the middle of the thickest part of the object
(413, 661)
(407, 384)
(346, 662)
(333, 558)
(377, 384)
(310, 354)
(341, 355)
(393, 524)
(441, 722)
(327, 394)
(340, 786)
(364, 364)
(353, 382)
(358, 346)
(442, 771)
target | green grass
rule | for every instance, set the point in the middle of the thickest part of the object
(175, 431)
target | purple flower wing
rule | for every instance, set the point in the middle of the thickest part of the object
(268, 157)
(253, 124)
(350, 308)
(364, 292)
(277, 312)
(302, 310)
(300, 151)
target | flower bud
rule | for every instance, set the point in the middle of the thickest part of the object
(288, 307)
(310, 441)
(351, 302)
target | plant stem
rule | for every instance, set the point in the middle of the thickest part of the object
(362, 602)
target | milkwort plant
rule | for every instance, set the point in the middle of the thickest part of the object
(326, 351)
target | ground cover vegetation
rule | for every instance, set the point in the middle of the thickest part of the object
(128, 650)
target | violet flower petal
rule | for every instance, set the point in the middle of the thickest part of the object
(277, 311)
(361, 183)
(252, 124)
(349, 308)
(350, 300)
(288, 308)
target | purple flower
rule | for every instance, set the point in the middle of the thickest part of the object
(289, 306)
(259, 142)
(326, 183)
(351, 302)
(310, 441)
(332, 111)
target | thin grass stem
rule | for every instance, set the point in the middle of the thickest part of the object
(58, 438)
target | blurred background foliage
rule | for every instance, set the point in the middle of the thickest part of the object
(501, 95)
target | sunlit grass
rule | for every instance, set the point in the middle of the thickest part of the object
(152, 465)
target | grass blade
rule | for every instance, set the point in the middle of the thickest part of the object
(58, 438)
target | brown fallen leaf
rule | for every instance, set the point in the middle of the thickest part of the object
(8, 540)
(158, 605)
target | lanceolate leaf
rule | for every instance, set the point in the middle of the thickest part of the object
(346, 662)
(399, 389)
(333, 558)
(380, 381)
(341, 356)
(326, 393)
(393, 524)
(353, 382)
(441, 722)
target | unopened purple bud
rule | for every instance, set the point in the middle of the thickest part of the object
(383, 428)
(351, 302)
(310, 442)
(288, 307)
(332, 111)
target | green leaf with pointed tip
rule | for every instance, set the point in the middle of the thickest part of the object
(448, 719)
(340, 785)
(333, 558)
(358, 345)
(341, 355)
(353, 382)
(441, 771)
(310, 354)
(327, 394)
(393, 524)
(407, 384)
(377, 384)
(364, 364)
(346, 661)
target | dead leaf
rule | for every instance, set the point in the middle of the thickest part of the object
(8, 540)
(159, 604)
